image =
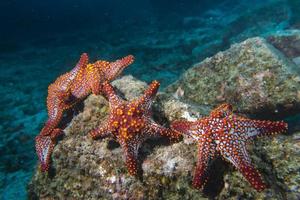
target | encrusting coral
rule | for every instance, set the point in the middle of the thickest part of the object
(69, 89)
(130, 123)
(224, 133)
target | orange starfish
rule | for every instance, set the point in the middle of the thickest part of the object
(225, 133)
(130, 123)
(69, 89)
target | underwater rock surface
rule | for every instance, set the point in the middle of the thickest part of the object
(94, 169)
(288, 42)
(253, 76)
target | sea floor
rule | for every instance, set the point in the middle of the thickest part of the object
(163, 50)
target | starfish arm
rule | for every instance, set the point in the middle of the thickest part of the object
(55, 115)
(193, 129)
(48, 127)
(61, 87)
(64, 96)
(237, 155)
(223, 110)
(44, 147)
(94, 75)
(257, 128)
(96, 86)
(63, 83)
(64, 100)
(158, 130)
(57, 103)
(146, 100)
(206, 153)
(102, 131)
(113, 99)
(131, 157)
(115, 68)
(83, 61)
(81, 64)
(71, 84)
(253, 176)
(55, 133)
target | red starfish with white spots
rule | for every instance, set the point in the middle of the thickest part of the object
(69, 89)
(226, 134)
(130, 123)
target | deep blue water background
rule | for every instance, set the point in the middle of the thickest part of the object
(40, 40)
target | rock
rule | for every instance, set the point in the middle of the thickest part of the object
(253, 76)
(287, 41)
(130, 86)
(94, 169)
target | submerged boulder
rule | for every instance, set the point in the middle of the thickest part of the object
(288, 42)
(252, 75)
(94, 169)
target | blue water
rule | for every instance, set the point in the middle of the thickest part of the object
(40, 40)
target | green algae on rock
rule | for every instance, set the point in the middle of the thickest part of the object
(253, 76)
(94, 169)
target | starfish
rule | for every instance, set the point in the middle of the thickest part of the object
(130, 124)
(226, 134)
(69, 89)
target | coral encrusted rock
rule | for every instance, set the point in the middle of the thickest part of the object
(253, 76)
(83, 168)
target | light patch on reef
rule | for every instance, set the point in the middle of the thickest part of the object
(101, 170)
(112, 179)
(179, 93)
(170, 166)
(186, 115)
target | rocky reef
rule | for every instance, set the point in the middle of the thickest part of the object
(94, 169)
(252, 75)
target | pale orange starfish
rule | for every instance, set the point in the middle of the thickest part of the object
(69, 89)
